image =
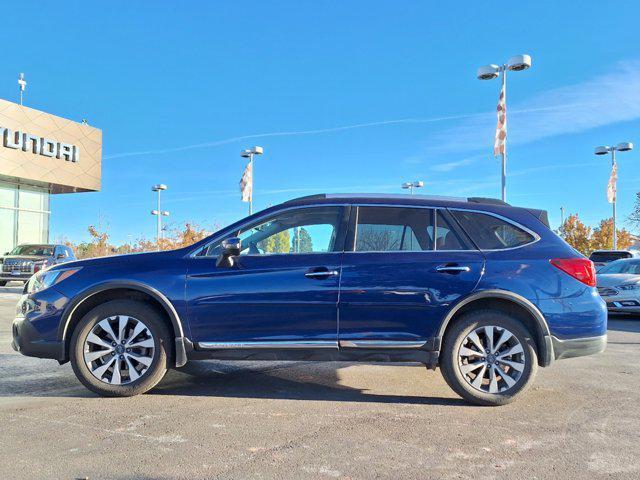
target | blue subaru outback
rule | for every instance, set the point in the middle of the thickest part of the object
(480, 288)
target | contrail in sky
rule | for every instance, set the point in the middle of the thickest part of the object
(291, 133)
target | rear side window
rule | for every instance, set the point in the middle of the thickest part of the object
(491, 233)
(389, 229)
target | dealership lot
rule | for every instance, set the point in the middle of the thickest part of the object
(307, 420)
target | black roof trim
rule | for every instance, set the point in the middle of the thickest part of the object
(488, 201)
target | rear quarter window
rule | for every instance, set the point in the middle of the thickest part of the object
(492, 233)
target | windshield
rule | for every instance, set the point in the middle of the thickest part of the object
(622, 266)
(40, 250)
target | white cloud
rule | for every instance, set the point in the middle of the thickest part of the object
(605, 99)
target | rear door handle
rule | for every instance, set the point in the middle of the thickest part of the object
(452, 268)
(321, 274)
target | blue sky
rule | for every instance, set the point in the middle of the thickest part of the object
(343, 96)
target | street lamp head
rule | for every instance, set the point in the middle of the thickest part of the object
(519, 62)
(251, 151)
(165, 213)
(160, 186)
(418, 184)
(407, 185)
(624, 146)
(602, 150)
(154, 212)
(488, 72)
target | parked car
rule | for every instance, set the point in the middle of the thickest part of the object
(618, 283)
(601, 257)
(482, 289)
(25, 260)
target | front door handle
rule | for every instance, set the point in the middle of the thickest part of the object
(452, 268)
(321, 274)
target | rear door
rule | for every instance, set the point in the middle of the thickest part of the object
(402, 270)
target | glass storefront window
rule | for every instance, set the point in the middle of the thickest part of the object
(7, 230)
(24, 215)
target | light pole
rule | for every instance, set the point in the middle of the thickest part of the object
(159, 212)
(22, 84)
(489, 72)
(561, 217)
(249, 153)
(411, 185)
(612, 190)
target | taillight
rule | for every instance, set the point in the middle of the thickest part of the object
(581, 269)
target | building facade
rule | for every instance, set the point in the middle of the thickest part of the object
(41, 155)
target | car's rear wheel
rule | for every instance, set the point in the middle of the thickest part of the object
(3, 283)
(488, 357)
(120, 348)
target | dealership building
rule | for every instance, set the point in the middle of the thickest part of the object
(41, 155)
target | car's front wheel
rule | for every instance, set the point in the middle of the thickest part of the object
(488, 357)
(120, 348)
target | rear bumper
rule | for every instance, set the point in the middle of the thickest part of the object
(578, 347)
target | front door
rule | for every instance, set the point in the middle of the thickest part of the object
(402, 270)
(282, 291)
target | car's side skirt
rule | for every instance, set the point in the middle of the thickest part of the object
(320, 350)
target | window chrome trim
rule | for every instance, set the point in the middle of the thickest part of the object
(283, 344)
(194, 253)
(535, 236)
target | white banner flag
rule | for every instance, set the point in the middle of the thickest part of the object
(611, 186)
(246, 183)
(501, 127)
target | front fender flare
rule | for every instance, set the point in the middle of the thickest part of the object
(182, 343)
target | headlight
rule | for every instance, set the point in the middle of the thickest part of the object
(630, 286)
(47, 278)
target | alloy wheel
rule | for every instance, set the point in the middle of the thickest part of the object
(491, 359)
(119, 349)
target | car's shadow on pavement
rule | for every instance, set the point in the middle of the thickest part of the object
(290, 381)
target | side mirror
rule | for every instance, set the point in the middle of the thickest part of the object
(230, 248)
(60, 256)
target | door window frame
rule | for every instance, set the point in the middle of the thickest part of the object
(344, 212)
(466, 239)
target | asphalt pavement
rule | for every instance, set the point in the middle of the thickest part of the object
(308, 420)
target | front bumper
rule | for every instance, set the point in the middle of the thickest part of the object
(15, 278)
(578, 347)
(28, 341)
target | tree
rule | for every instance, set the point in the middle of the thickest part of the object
(602, 238)
(576, 234)
(277, 243)
(301, 242)
(634, 218)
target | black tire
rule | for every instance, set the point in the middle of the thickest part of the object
(162, 352)
(450, 364)
(3, 283)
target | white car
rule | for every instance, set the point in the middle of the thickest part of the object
(619, 285)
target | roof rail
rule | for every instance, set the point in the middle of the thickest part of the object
(488, 201)
(308, 197)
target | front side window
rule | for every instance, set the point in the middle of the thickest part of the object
(388, 229)
(491, 233)
(304, 230)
